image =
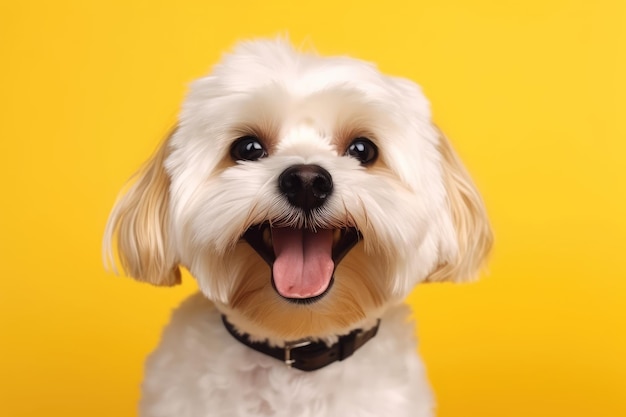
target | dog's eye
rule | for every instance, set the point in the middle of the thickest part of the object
(364, 150)
(247, 148)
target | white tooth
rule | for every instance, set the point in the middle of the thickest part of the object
(267, 236)
(336, 236)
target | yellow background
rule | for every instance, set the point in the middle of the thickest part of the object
(532, 93)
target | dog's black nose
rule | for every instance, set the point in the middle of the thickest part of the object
(306, 186)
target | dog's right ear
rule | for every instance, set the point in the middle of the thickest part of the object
(139, 222)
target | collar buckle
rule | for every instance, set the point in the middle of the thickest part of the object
(289, 346)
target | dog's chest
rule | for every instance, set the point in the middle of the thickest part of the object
(200, 370)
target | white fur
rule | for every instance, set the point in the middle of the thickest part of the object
(417, 211)
(200, 370)
(307, 98)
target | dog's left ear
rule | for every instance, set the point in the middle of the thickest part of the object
(140, 222)
(469, 218)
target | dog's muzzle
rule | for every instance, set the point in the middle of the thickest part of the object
(302, 260)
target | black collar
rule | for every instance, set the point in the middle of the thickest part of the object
(305, 354)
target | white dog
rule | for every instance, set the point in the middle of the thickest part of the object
(307, 196)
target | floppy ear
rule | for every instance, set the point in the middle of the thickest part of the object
(140, 221)
(469, 218)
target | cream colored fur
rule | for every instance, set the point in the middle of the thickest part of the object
(418, 213)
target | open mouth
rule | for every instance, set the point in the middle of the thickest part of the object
(302, 261)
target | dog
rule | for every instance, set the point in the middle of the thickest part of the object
(307, 195)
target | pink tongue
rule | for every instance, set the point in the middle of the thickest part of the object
(304, 265)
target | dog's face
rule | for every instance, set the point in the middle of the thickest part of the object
(303, 193)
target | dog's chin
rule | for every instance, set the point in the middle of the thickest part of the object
(302, 261)
(354, 296)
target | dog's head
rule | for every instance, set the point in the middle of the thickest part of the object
(303, 193)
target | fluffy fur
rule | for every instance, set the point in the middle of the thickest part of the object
(418, 214)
